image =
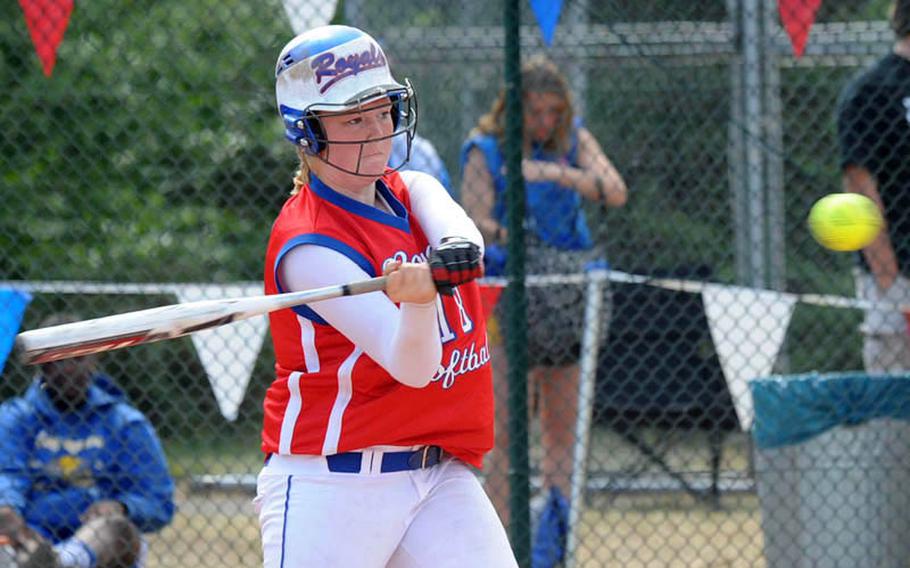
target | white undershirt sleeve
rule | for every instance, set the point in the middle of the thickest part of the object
(437, 213)
(405, 341)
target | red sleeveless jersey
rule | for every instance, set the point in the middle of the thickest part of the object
(328, 396)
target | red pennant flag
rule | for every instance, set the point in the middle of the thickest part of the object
(47, 21)
(489, 297)
(798, 17)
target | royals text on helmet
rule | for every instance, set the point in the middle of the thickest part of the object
(337, 69)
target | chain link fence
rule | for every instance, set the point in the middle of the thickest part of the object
(147, 165)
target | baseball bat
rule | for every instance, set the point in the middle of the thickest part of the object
(155, 324)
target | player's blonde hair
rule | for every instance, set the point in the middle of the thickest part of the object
(538, 75)
(302, 175)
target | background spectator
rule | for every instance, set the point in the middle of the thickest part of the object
(73, 450)
(563, 165)
(873, 123)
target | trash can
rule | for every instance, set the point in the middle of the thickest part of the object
(832, 469)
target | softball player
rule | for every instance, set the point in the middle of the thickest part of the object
(380, 401)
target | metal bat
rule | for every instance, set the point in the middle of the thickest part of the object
(145, 326)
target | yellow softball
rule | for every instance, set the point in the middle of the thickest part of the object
(845, 221)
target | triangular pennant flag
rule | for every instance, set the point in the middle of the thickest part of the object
(228, 352)
(12, 308)
(547, 14)
(798, 17)
(307, 14)
(748, 327)
(489, 297)
(47, 21)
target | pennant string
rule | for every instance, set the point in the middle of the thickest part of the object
(734, 311)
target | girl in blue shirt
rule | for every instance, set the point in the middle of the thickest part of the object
(563, 166)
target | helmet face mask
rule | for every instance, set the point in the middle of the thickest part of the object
(337, 70)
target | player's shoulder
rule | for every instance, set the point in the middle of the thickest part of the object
(296, 203)
(299, 212)
(416, 181)
(415, 177)
(288, 210)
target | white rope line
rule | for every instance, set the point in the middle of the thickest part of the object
(697, 286)
(677, 284)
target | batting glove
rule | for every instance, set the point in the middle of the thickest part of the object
(455, 261)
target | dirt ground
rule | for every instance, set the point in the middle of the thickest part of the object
(211, 529)
(628, 522)
(216, 529)
(671, 531)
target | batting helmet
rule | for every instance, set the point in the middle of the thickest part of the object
(335, 69)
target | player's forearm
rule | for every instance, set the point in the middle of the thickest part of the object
(404, 341)
(414, 350)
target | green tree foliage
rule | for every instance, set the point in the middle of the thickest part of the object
(152, 153)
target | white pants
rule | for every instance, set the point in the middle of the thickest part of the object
(433, 517)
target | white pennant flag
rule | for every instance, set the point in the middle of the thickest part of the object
(228, 352)
(307, 14)
(748, 327)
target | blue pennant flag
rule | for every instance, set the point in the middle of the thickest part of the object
(12, 308)
(547, 14)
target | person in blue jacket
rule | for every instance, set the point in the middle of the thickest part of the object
(563, 166)
(73, 450)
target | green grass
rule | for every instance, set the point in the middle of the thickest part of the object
(214, 456)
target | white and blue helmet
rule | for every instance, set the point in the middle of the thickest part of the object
(334, 69)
